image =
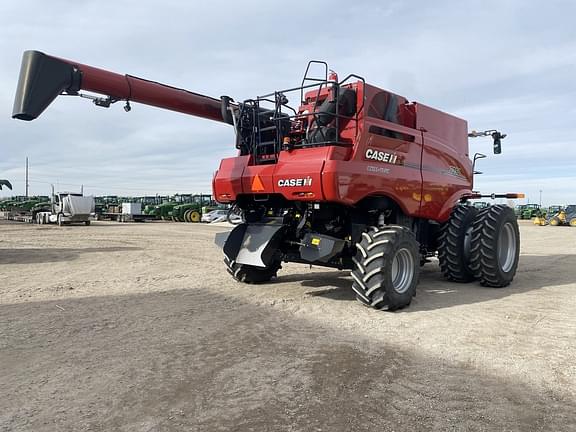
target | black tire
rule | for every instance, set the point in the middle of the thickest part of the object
(495, 247)
(87, 223)
(454, 244)
(60, 221)
(387, 268)
(250, 274)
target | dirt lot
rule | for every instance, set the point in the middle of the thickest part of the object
(138, 327)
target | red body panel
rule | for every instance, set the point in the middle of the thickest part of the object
(446, 168)
(430, 171)
(226, 188)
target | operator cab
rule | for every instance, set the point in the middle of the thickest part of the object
(268, 124)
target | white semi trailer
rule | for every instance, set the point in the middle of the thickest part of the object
(68, 207)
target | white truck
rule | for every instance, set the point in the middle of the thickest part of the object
(68, 207)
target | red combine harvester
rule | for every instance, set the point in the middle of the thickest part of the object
(354, 178)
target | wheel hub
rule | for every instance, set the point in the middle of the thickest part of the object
(507, 247)
(402, 270)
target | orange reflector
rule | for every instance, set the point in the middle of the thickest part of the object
(303, 194)
(257, 185)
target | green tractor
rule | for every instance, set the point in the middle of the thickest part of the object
(40, 206)
(7, 204)
(152, 206)
(180, 202)
(518, 210)
(104, 205)
(149, 206)
(164, 210)
(22, 206)
(192, 211)
(29, 204)
(151, 210)
(530, 211)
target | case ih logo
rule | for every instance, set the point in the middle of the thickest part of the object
(381, 156)
(307, 181)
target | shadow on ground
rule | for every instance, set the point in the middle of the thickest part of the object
(45, 255)
(435, 292)
(193, 360)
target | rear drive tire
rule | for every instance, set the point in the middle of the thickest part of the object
(573, 222)
(495, 246)
(454, 244)
(187, 216)
(250, 274)
(87, 223)
(387, 268)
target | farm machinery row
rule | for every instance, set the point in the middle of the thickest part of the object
(557, 216)
(554, 215)
(23, 208)
(176, 208)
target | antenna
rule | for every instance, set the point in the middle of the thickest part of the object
(27, 183)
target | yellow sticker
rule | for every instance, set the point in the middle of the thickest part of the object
(315, 241)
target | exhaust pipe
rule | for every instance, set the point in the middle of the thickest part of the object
(42, 79)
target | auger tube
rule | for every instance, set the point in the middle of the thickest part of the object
(43, 78)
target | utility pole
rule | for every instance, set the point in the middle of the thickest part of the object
(540, 197)
(27, 183)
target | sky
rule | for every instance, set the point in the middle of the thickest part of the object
(508, 65)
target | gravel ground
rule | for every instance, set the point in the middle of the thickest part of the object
(138, 327)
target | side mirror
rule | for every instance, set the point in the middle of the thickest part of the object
(498, 137)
